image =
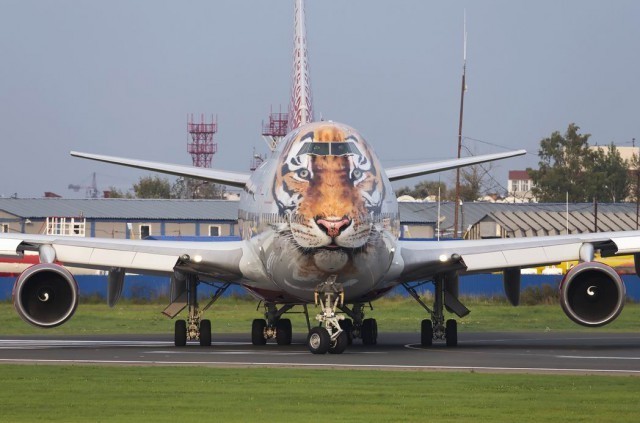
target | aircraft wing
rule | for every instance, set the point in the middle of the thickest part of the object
(409, 171)
(234, 179)
(220, 260)
(424, 259)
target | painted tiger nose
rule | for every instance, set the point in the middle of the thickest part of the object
(333, 227)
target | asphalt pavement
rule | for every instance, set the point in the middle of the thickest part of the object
(522, 352)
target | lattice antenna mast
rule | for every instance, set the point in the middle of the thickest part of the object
(301, 111)
(275, 129)
(202, 148)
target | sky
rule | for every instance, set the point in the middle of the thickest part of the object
(121, 77)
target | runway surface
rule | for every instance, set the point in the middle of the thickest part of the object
(569, 353)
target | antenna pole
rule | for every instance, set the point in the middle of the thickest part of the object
(462, 90)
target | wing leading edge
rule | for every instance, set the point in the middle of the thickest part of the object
(234, 179)
(424, 259)
(220, 260)
(409, 171)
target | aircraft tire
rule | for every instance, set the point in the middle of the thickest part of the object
(319, 340)
(451, 333)
(340, 345)
(284, 333)
(180, 333)
(205, 333)
(426, 333)
(369, 332)
(347, 327)
(257, 332)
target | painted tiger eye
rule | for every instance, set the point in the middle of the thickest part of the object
(303, 173)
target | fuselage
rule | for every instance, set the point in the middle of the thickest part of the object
(321, 205)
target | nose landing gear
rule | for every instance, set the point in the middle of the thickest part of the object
(329, 336)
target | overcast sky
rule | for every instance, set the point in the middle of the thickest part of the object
(119, 77)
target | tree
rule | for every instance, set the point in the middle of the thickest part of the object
(634, 178)
(563, 166)
(114, 192)
(472, 182)
(424, 189)
(196, 189)
(567, 165)
(609, 179)
(152, 187)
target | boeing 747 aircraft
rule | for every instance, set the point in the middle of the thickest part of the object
(319, 225)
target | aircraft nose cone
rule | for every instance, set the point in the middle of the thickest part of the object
(333, 227)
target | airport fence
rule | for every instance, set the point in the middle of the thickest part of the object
(150, 288)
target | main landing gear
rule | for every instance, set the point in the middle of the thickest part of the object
(273, 325)
(357, 326)
(445, 296)
(195, 328)
(329, 336)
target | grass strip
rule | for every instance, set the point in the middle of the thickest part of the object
(234, 315)
(170, 394)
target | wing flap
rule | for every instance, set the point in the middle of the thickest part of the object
(106, 258)
(522, 257)
(9, 247)
(626, 244)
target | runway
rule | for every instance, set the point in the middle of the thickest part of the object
(568, 353)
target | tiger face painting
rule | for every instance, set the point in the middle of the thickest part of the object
(329, 188)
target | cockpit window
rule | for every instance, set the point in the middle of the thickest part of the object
(329, 149)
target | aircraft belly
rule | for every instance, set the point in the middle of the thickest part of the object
(298, 272)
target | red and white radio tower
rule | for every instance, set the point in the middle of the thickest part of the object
(202, 148)
(275, 129)
(301, 111)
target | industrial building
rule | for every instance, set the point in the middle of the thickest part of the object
(119, 218)
(136, 218)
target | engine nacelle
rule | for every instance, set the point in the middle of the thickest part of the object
(45, 295)
(592, 294)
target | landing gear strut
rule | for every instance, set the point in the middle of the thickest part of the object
(329, 336)
(436, 328)
(195, 328)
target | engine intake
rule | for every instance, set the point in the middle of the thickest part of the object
(592, 294)
(45, 295)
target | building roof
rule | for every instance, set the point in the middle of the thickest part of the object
(519, 175)
(470, 213)
(542, 223)
(112, 208)
(609, 215)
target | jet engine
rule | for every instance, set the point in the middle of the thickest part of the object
(45, 295)
(592, 294)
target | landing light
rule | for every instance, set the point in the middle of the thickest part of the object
(445, 258)
(197, 258)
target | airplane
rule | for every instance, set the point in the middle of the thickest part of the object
(319, 225)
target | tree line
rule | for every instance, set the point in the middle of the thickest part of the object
(157, 187)
(567, 166)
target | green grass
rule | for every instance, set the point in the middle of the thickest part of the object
(172, 394)
(234, 315)
(168, 394)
